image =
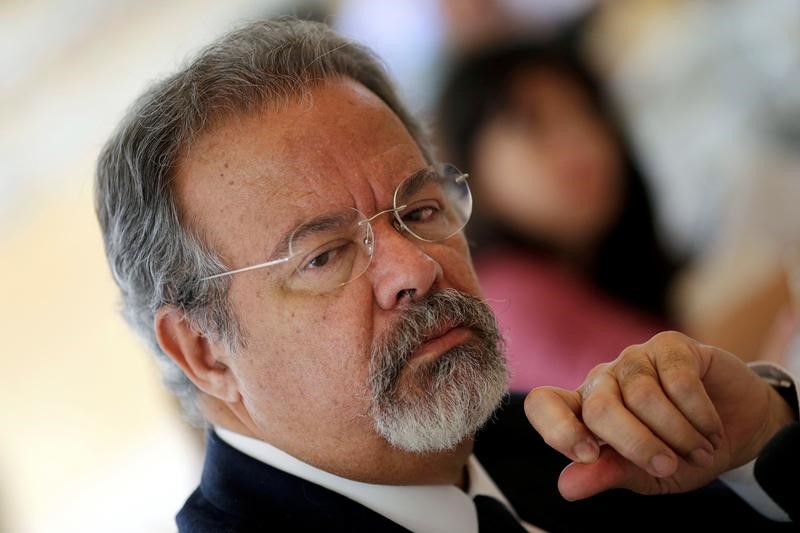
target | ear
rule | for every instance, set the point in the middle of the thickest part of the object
(195, 355)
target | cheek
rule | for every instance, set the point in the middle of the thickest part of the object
(306, 348)
(455, 259)
(515, 179)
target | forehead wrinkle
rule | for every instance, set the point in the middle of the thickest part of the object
(284, 166)
(305, 206)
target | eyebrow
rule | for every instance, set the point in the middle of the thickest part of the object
(416, 181)
(328, 221)
(318, 224)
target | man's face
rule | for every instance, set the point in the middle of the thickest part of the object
(303, 376)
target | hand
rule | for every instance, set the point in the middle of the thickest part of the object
(673, 413)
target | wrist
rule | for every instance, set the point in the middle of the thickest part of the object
(783, 413)
(783, 401)
(779, 415)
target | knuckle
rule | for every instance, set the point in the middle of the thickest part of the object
(633, 349)
(670, 350)
(667, 343)
(598, 370)
(642, 396)
(561, 435)
(536, 400)
(534, 397)
(667, 338)
(639, 447)
(636, 372)
(679, 384)
(597, 408)
(586, 390)
(597, 374)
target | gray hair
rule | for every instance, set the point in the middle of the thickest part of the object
(155, 260)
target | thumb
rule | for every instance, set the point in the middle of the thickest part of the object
(580, 480)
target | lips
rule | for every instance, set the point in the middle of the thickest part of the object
(443, 339)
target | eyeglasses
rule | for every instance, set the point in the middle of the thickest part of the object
(433, 204)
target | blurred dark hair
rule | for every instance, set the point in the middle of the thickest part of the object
(631, 262)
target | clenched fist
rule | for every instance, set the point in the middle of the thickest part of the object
(669, 415)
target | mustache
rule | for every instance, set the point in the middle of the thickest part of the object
(444, 308)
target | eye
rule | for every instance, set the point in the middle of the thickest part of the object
(325, 258)
(321, 260)
(421, 214)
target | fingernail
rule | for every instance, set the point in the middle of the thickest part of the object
(701, 457)
(716, 440)
(663, 465)
(586, 451)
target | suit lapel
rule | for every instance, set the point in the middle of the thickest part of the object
(244, 487)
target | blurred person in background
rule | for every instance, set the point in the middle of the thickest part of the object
(419, 38)
(673, 80)
(709, 91)
(566, 245)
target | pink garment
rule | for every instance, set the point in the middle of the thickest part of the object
(556, 325)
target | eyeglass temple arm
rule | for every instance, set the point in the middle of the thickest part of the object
(246, 269)
(284, 259)
(459, 179)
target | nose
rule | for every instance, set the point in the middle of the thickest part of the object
(401, 272)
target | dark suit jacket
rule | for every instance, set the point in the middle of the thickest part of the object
(240, 494)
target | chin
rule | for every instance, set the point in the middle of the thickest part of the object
(443, 403)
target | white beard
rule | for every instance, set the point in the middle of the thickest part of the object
(436, 406)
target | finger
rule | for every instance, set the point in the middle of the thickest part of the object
(611, 470)
(552, 412)
(606, 416)
(680, 372)
(643, 395)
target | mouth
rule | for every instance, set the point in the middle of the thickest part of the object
(440, 342)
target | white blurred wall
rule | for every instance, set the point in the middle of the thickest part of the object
(89, 439)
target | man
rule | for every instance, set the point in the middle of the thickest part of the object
(284, 241)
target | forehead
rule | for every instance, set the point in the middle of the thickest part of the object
(263, 173)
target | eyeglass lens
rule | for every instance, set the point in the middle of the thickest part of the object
(437, 202)
(432, 205)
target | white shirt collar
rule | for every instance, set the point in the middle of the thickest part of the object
(419, 508)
